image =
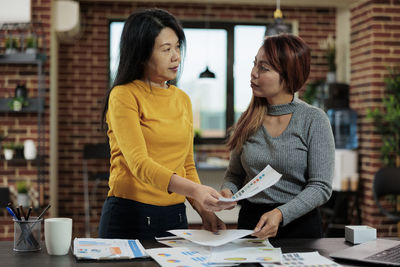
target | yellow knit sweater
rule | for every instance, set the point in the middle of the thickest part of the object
(150, 132)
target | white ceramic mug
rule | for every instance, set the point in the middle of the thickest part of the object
(58, 234)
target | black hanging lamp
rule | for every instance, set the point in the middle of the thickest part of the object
(278, 26)
(207, 74)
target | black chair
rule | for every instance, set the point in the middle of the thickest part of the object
(92, 152)
(387, 182)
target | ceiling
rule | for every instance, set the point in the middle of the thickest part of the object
(300, 3)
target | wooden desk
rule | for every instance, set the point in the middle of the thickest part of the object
(10, 258)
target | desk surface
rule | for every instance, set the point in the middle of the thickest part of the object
(10, 258)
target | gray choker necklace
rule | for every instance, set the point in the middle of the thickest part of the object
(282, 109)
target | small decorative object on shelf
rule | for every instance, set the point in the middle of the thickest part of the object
(11, 44)
(19, 150)
(330, 52)
(21, 91)
(31, 44)
(29, 150)
(23, 197)
(17, 103)
(8, 150)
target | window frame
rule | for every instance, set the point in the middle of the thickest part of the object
(230, 97)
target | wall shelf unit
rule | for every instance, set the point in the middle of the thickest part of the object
(35, 106)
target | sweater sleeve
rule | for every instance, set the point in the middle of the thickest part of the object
(320, 158)
(235, 174)
(190, 166)
(124, 122)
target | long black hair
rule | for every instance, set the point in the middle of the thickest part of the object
(136, 45)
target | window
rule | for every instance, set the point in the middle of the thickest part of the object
(228, 50)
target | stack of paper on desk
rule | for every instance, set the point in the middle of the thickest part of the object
(235, 252)
(107, 249)
(207, 238)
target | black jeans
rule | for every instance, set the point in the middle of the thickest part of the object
(307, 226)
(128, 219)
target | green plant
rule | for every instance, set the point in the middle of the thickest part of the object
(330, 51)
(8, 146)
(31, 41)
(310, 93)
(387, 122)
(22, 187)
(11, 42)
(20, 99)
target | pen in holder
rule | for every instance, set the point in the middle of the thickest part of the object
(27, 234)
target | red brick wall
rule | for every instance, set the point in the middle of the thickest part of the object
(24, 125)
(375, 46)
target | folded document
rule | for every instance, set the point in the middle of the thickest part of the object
(107, 249)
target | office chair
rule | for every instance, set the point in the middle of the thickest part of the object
(387, 182)
(92, 152)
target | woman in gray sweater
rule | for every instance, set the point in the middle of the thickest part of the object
(291, 136)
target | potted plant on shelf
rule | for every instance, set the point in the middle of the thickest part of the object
(11, 44)
(31, 44)
(328, 45)
(8, 150)
(17, 103)
(22, 197)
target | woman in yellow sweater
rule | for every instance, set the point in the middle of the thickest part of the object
(150, 132)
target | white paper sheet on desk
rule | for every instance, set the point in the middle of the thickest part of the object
(266, 178)
(233, 254)
(207, 238)
(180, 256)
(304, 259)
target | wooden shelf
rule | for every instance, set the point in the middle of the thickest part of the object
(22, 58)
(35, 104)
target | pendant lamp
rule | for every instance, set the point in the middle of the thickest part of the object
(278, 26)
(207, 73)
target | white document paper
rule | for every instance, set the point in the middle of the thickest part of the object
(305, 259)
(207, 238)
(177, 256)
(266, 178)
(107, 249)
(231, 254)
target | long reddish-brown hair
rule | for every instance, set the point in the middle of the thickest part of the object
(288, 55)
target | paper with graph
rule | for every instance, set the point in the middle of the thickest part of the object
(266, 178)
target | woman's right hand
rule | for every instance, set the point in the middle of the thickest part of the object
(208, 198)
(226, 193)
(205, 195)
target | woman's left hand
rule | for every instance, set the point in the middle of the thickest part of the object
(268, 224)
(211, 222)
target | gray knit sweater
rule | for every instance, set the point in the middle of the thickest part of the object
(304, 154)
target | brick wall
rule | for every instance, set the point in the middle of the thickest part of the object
(22, 126)
(375, 46)
(83, 79)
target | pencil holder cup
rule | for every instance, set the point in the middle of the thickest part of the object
(27, 234)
